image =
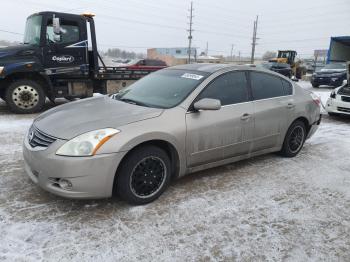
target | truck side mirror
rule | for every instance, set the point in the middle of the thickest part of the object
(56, 28)
(56, 25)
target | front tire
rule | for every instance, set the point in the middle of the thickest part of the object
(25, 97)
(294, 139)
(144, 175)
(315, 85)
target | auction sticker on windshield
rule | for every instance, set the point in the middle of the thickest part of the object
(192, 76)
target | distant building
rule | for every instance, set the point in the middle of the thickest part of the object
(172, 56)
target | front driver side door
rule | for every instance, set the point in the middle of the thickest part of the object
(216, 135)
(67, 56)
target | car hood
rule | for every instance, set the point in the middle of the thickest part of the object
(331, 71)
(16, 50)
(75, 118)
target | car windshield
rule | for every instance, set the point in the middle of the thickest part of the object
(33, 30)
(335, 66)
(162, 89)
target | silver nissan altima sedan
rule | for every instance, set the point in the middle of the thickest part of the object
(170, 123)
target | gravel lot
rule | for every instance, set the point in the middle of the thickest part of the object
(266, 208)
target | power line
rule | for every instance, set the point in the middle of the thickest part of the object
(296, 40)
(10, 32)
(307, 8)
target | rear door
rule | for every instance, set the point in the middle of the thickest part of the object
(217, 135)
(273, 109)
(67, 56)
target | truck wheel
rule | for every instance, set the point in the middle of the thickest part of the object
(315, 85)
(25, 97)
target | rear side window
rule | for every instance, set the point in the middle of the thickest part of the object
(230, 88)
(266, 86)
(288, 88)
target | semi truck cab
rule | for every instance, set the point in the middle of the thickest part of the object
(55, 61)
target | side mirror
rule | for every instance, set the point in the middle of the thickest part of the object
(207, 104)
(56, 25)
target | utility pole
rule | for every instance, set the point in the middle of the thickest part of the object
(239, 56)
(254, 39)
(190, 33)
(206, 50)
(232, 52)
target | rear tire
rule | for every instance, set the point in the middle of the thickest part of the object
(294, 139)
(144, 175)
(25, 96)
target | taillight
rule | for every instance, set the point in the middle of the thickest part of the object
(316, 99)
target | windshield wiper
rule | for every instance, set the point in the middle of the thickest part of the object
(133, 102)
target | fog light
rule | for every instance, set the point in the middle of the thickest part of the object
(65, 184)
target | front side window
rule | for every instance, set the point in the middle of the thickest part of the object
(69, 32)
(266, 86)
(229, 88)
(288, 87)
(33, 30)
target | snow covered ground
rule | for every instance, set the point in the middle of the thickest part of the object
(266, 208)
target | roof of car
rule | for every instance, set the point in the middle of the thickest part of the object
(209, 68)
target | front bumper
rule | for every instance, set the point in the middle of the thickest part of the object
(91, 177)
(329, 81)
(337, 106)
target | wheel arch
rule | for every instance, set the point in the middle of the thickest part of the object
(167, 146)
(305, 121)
(42, 79)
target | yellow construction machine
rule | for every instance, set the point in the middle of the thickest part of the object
(288, 57)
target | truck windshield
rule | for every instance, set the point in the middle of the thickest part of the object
(162, 89)
(33, 30)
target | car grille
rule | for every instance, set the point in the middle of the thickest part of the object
(344, 109)
(37, 138)
(345, 98)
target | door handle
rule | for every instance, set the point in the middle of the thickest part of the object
(246, 116)
(290, 105)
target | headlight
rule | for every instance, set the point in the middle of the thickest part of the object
(86, 144)
(1, 69)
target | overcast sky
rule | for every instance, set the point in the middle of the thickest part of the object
(139, 24)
